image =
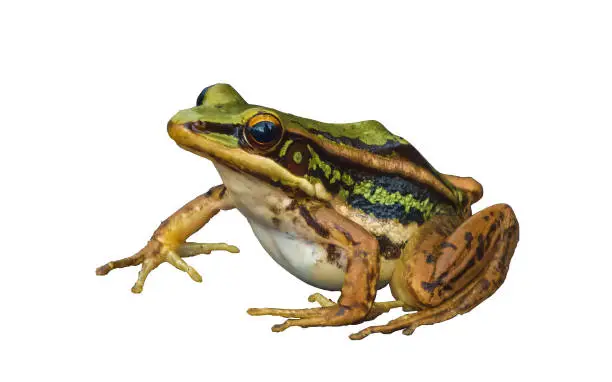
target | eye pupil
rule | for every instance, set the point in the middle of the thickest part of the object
(265, 131)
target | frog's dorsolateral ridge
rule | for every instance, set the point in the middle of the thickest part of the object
(349, 207)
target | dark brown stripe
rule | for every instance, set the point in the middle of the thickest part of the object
(346, 234)
(334, 255)
(446, 244)
(201, 127)
(480, 250)
(387, 248)
(430, 286)
(276, 222)
(292, 206)
(311, 221)
(468, 240)
(469, 265)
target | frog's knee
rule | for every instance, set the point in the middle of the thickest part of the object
(507, 216)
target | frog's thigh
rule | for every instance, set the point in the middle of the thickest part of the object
(450, 275)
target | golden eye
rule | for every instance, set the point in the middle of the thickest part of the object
(263, 131)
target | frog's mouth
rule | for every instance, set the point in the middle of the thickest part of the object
(224, 148)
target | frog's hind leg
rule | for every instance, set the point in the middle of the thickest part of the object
(377, 309)
(449, 275)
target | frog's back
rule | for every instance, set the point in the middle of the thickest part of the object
(377, 190)
(370, 136)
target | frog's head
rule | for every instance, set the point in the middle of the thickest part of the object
(221, 116)
(294, 152)
(249, 138)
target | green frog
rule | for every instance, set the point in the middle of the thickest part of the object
(344, 207)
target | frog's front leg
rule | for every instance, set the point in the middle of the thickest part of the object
(168, 242)
(359, 286)
(451, 270)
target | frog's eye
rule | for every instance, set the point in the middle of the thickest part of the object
(263, 131)
(200, 99)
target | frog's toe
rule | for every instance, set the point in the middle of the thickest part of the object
(147, 266)
(392, 326)
(193, 249)
(127, 262)
(180, 264)
(321, 300)
(304, 322)
(287, 313)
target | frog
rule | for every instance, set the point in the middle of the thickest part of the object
(347, 207)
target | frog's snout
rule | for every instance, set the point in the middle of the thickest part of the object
(175, 129)
(196, 126)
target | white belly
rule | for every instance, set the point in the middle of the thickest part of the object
(304, 259)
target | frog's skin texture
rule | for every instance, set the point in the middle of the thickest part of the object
(347, 207)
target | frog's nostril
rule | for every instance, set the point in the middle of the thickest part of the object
(195, 126)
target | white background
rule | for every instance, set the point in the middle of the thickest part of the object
(515, 94)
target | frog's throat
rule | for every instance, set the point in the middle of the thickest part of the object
(243, 161)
